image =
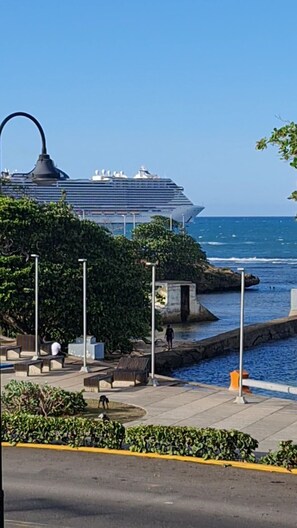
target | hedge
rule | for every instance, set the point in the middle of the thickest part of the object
(208, 443)
(27, 397)
(285, 456)
(218, 444)
(74, 431)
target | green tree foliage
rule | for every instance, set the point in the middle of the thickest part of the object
(178, 254)
(117, 286)
(31, 398)
(285, 139)
(165, 222)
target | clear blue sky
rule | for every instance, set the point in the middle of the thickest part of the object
(185, 87)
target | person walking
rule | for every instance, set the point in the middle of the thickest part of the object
(169, 334)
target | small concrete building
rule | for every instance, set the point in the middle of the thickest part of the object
(293, 309)
(177, 302)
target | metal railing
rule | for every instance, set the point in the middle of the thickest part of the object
(268, 385)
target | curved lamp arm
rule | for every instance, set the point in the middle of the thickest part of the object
(29, 116)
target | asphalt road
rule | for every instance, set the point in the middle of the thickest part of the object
(56, 489)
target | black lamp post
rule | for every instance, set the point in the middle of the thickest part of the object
(46, 173)
(1, 484)
(44, 170)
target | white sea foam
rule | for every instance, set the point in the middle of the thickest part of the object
(215, 243)
(255, 260)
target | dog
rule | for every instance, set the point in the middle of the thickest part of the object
(104, 401)
(104, 417)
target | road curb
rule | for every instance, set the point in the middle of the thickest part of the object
(122, 452)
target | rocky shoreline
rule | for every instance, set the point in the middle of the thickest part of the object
(213, 279)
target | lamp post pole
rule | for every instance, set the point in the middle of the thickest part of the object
(84, 368)
(124, 217)
(170, 222)
(36, 258)
(153, 381)
(240, 398)
(134, 223)
(1, 477)
(183, 223)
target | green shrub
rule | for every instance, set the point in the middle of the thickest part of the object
(27, 397)
(72, 431)
(218, 444)
(285, 456)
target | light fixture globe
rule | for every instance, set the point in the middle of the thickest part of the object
(45, 171)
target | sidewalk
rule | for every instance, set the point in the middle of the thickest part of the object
(269, 420)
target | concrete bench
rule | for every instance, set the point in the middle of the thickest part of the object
(98, 382)
(52, 363)
(129, 378)
(131, 371)
(26, 368)
(10, 352)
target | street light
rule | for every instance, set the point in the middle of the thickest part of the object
(170, 222)
(84, 368)
(240, 398)
(36, 257)
(1, 482)
(153, 381)
(124, 217)
(44, 171)
(134, 222)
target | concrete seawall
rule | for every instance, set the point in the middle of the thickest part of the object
(191, 353)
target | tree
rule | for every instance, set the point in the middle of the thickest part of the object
(285, 138)
(178, 255)
(165, 222)
(117, 286)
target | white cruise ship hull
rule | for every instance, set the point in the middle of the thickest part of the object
(109, 199)
(180, 214)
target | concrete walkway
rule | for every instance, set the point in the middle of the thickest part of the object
(269, 420)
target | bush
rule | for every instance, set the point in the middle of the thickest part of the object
(27, 397)
(285, 456)
(74, 431)
(218, 444)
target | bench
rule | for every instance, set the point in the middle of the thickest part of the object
(26, 368)
(27, 342)
(131, 370)
(46, 348)
(52, 363)
(10, 352)
(98, 382)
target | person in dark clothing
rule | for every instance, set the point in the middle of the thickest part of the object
(169, 334)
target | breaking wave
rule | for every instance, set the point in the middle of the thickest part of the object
(255, 260)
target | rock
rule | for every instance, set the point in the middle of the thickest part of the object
(214, 279)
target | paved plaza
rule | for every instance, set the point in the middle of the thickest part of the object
(269, 420)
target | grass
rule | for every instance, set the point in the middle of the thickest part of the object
(120, 412)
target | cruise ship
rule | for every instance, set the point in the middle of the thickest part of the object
(108, 197)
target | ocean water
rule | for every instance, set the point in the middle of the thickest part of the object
(267, 248)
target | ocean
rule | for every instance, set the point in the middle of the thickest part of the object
(267, 248)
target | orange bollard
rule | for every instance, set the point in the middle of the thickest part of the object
(234, 380)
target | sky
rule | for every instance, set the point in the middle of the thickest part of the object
(184, 87)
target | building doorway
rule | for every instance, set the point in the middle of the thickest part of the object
(184, 303)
